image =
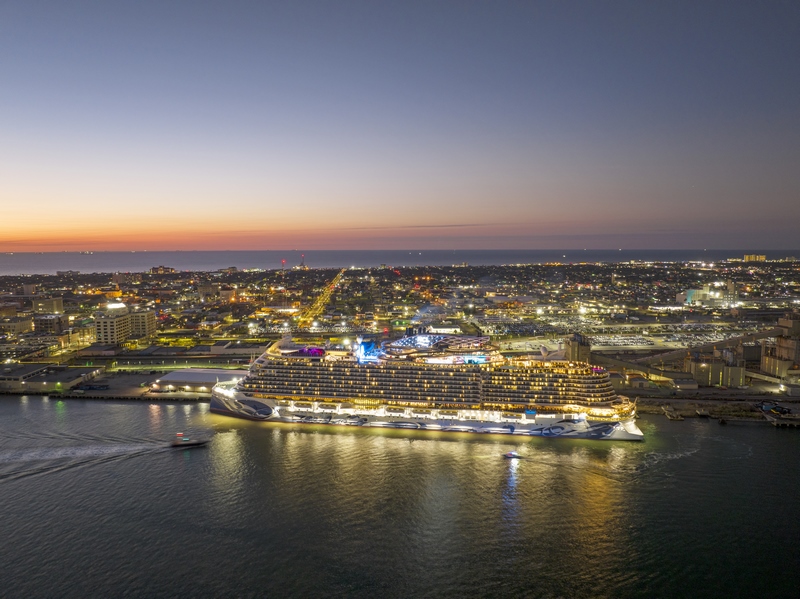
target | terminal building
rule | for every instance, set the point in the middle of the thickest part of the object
(43, 378)
(196, 380)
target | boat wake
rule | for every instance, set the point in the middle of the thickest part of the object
(57, 453)
(24, 462)
(653, 459)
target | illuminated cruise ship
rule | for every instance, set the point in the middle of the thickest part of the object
(430, 382)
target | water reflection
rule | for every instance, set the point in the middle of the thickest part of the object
(306, 511)
(228, 469)
(154, 418)
(511, 508)
(61, 411)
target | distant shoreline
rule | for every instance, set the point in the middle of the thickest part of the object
(87, 262)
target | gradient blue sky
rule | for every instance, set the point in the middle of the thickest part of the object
(346, 125)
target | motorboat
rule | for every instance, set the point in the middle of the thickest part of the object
(182, 440)
(511, 455)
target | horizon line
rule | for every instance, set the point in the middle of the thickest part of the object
(409, 249)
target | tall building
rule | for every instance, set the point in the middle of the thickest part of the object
(577, 348)
(782, 359)
(143, 324)
(755, 258)
(114, 325)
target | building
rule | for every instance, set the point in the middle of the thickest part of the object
(14, 376)
(113, 326)
(577, 348)
(50, 323)
(43, 378)
(709, 296)
(445, 329)
(208, 292)
(143, 324)
(617, 380)
(228, 294)
(161, 270)
(638, 382)
(196, 380)
(237, 348)
(81, 334)
(782, 359)
(99, 350)
(16, 325)
(48, 305)
(755, 258)
(713, 372)
(19, 351)
(8, 310)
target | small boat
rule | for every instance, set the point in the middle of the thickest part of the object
(182, 440)
(511, 455)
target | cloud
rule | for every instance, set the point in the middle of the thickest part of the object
(446, 226)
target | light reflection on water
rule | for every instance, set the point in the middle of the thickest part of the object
(308, 510)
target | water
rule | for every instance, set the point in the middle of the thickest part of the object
(21, 263)
(93, 504)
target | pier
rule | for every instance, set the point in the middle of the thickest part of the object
(783, 421)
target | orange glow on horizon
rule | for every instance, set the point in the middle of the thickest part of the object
(154, 238)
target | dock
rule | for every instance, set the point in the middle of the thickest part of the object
(784, 421)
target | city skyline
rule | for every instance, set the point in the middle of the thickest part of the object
(430, 126)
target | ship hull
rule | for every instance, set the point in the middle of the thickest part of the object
(232, 403)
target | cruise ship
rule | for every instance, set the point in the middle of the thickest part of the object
(430, 382)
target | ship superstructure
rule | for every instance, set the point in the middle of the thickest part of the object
(431, 382)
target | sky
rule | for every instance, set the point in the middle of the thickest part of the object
(399, 125)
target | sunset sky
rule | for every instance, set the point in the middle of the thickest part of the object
(435, 125)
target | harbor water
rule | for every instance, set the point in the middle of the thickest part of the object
(94, 503)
